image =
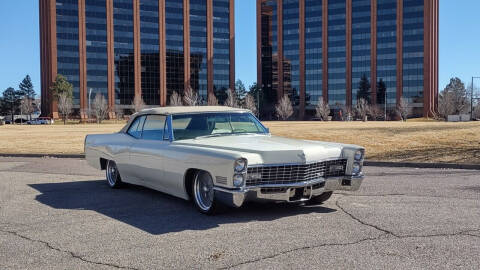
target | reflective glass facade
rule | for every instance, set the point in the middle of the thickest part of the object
(291, 53)
(67, 44)
(96, 47)
(341, 41)
(413, 52)
(269, 50)
(123, 51)
(149, 47)
(127, 48)
(198, 48)
(313, 52)
(174, 41)
(221, 48)
(387, 47)
(361, 34)
(337, 52)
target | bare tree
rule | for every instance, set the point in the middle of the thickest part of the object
(231, 100)
(322, 110)
(476, 112)
(175, 99)
(403, 109)
(190, 98)
(27, 107)
(138, 103)
(250, 104)
(453, 99)
(65, 105)
(212, 100)
(284, 108)
(376, 112)
(362, 109)
(119, 113)
(100, 107)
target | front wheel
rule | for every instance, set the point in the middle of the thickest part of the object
(204, 194)
(113, 176)
(320, 198)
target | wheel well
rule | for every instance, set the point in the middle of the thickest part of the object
(103, 163)
(189, 177)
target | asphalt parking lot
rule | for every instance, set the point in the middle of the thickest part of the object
(60, 214)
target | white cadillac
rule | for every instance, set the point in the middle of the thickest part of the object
(222, 156)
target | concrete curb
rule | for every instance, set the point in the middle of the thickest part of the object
(423, 165)
(367, 163)
(77, 156)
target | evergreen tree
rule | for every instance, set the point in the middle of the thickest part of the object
(364, 89)
(61, 85)
(381, 90)
(240, 91)
(11, 100)
(26, 87)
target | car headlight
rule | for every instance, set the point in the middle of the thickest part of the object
(240, 165)
(356, 169)
(238, 180)
(358, 155)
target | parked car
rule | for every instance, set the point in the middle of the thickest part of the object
(41, 121)
(222, 156)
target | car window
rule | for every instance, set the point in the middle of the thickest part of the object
(189, 126)
(135, 129)
(154, 127)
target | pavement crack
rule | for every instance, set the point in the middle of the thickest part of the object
(71, 253)
(303, 248)
(371, 195)
(363, 222)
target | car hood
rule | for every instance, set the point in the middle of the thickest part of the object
(266, 149)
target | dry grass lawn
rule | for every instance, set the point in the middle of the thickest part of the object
(391, 141)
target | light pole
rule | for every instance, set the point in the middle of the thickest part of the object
(385, 103)
(471, 100)
(89, 100)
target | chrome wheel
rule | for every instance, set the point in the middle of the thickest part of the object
(203, 191)
(113, 176)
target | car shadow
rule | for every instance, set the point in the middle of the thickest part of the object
(155, 212)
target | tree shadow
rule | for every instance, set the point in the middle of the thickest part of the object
(155, 212)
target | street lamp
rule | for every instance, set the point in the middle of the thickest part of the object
(471, 100)
(385, 102)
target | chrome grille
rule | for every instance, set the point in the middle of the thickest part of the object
(296, 173)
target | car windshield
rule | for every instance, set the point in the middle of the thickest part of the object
(191, 126)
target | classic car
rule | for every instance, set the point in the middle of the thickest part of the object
(220, 156)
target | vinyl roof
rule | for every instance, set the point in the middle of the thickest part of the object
(190, 109)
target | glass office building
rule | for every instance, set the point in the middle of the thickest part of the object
(123, 49)
(321, 49)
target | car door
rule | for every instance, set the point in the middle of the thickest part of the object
(147, 153)
(125, 162)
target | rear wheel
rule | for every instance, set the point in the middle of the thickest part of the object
(320, 198)
(113, 176)
(204, 194)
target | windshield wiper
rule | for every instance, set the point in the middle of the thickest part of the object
(214, 135)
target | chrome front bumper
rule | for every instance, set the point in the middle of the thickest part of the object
(297, 192)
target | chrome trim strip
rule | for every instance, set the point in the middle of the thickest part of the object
(295, 164)
(293, 185)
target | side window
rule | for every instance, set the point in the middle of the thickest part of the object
(135, 129)
(154, 127)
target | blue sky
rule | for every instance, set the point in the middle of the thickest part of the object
(19, 42)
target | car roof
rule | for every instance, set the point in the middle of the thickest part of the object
(190, 109)
(182, 110)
